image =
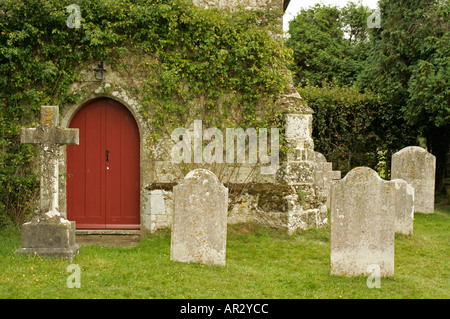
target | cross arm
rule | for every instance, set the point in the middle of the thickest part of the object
(52, 135)
(68, 136)
(29, 136)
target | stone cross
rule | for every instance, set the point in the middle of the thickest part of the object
(49, 137)
(49, 234)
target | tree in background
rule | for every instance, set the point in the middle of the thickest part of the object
(351, 127)
(409, 65)
(405, 63)
(328, 43)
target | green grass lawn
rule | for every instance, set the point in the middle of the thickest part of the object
(261, 263)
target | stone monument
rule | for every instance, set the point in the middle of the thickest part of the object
(199, 227)
(403, 207)
(49, 233)
(417, 167)
(362, 224)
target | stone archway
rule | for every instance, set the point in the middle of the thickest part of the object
(103, 174)
(121, 96)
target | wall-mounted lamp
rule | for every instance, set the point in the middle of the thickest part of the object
(99, 72)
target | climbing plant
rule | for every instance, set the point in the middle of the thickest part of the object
(231, 61)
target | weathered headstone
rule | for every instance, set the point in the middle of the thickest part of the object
(362, 224)
(49, 233)
(199, 226)
(403, 207)
(324, 174)
(417, 167)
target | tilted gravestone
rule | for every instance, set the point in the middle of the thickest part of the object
(417, 167)
(362, 224)
(403, 207)
(49, 233)
(199, 225)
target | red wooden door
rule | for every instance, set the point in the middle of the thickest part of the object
(103, 184)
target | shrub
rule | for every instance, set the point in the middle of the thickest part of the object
(353, 128)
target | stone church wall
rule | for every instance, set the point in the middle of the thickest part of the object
(287, 199)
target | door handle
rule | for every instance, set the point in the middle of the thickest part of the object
(107, 155)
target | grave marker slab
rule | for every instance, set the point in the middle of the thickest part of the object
(417, 167)
(362, 224)
(199, 227)
(403, 207)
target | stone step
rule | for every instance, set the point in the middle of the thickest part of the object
(108, 237)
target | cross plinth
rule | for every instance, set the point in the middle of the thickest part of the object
(49, 233)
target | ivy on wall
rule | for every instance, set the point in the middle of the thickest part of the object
(231, 61)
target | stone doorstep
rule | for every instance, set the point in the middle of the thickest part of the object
(108, 237)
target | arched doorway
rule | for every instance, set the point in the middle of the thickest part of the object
(103, 178)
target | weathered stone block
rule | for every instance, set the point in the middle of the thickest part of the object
(306, 219)
(324, 174)
(292, 173)
(299, 126)
(54, 237)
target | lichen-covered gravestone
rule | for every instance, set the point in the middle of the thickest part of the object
(199, 226)
(403, 207)
(417, 167)
(362, 224)
(49, 233)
